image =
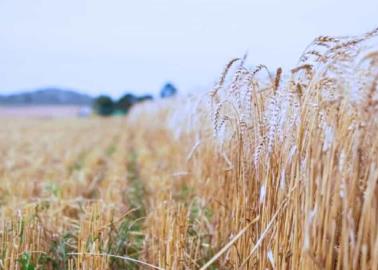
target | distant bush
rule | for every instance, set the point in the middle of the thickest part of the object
(125, 103)
(104, 105)
(145, 98)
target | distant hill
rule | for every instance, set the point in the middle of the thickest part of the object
(47, 96)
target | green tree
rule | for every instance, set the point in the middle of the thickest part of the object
(126, 102)
(168, 90)
(104, 105)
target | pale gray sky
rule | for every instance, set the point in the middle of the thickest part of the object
(119, 45)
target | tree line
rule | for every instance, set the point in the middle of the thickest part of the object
(105, 106)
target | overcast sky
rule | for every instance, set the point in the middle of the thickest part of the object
(113, 46)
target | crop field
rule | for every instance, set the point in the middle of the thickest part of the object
(268, 170)
(46, 111)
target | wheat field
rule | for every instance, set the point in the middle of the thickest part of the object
(268, 170)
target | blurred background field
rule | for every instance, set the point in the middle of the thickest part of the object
(46, 111)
